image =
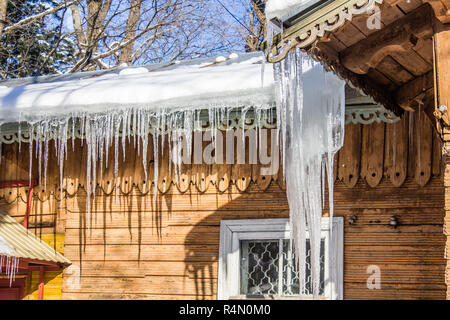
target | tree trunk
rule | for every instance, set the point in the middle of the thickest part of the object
(3, 8)
(130, 32)
(76, 17)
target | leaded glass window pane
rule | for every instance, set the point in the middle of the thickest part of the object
(265, 264)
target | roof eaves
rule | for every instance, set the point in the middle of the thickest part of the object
(307, 26)
(25, 244)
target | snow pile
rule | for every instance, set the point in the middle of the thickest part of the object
(6, 249)
(281, 8)
(135, 105)
(139, 70)
(311, 120)
(228, 82)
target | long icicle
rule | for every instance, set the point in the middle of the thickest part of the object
(311, 123)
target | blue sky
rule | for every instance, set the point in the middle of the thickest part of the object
(232, 41)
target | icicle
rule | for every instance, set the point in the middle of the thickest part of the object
(19, 133)
(145, 147)
(311, 123)
(116, 154)
(134, 125)
(11, 264)
(62, 149)
(88, 170)
(155, 160)
(46, 141)
(30, 151)
(122, 133)
(39, 146)
(272, 31)
(138, 132)
(162, 124)
(94, 150)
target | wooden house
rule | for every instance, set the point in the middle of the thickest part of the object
(213, 231)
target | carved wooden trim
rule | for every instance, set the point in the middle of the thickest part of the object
(309, 29)
(13, 133)
(396, 147)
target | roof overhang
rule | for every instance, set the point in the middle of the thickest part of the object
(16, 242)
(305, 27)
(335, 33)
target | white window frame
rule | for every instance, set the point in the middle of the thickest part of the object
(233, 231)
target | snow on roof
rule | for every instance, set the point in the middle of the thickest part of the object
(236, 80)
(283, 9)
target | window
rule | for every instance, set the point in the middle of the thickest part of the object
(256, 260)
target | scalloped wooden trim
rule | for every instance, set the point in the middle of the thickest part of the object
(309, 29)
(357, 161)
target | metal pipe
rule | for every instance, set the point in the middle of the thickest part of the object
(22, 183)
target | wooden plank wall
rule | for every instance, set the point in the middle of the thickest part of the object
(133, 251)
(136, 248)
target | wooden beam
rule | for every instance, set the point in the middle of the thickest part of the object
(425, 103)
(413, 91)
(441, 48)
(400, 35)
(441, 9)
(41, 262)
(41, 283)
(380, 94)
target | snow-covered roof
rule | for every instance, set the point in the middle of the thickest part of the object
(16, 241)
(284, 9)
(236, 80)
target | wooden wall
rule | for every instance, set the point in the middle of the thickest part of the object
(136, 248)
(132, 251)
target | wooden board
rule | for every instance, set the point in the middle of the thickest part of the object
(372, 153)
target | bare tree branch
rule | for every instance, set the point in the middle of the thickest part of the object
(107, 33)
(29, 20)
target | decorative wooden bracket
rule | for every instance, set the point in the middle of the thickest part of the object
(401, 35)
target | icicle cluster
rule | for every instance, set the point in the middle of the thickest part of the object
(11, 267)
(102, 131)
(311, 120)
(310, 107)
